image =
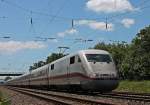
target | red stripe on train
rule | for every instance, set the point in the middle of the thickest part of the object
(71, 75)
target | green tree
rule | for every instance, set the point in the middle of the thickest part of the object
(51, 58)
(140, 55)
(36, 65)
(54, 56)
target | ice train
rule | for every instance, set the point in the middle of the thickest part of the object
(89, 70)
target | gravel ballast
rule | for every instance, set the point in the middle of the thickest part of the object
(17, 98)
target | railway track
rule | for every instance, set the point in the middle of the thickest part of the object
(145, 97)
(128, 96)
(62, 99)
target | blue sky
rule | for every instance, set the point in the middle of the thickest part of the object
(52, 18)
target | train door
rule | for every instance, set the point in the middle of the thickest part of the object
(70, 68)
(78, 69)
(79, 66)
(29, 80)
(47, 76)
(52, 82)
(68, 72)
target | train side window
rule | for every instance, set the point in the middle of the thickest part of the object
(79, 60)
(52, 67)
(72, 60)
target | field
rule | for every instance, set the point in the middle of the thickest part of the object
(134, 86)
(3, 98)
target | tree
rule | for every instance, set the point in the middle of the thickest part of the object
(140, 62)
(41, 63)
(53, 57)
(36, 65)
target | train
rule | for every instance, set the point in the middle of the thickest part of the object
(88, 70)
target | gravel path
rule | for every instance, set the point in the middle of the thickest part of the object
(21, 99)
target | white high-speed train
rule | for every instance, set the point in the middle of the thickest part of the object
(92, 70)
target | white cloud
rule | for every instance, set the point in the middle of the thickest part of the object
(109, 6)
(55, 40)
(67, 32)
(95, 25)
(14, 46)
(127, 22)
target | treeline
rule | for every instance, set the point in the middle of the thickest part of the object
(132, 60)
(49, 59)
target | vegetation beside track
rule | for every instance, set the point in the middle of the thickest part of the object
(3, 98)
(134, 86)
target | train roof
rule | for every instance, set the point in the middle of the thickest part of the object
(93, 51)
(89, 51)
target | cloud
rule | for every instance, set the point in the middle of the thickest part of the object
(95, 25)
(127, 22)
(67, 32)
(109, 6)
(55, 40)
(14, 46)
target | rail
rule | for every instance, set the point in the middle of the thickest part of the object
(58, 97)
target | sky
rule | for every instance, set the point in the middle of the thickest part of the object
(29, 23)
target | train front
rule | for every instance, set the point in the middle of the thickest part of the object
(103, 74)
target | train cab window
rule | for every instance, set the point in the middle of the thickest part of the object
(98, 58)
(52, 67)
(72, 60)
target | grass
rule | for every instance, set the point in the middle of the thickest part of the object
(134, 86)
(3, 96)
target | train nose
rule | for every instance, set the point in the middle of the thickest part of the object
(100, 85)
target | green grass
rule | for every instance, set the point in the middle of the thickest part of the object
(134, 86)
(5, 103)
(3, 96)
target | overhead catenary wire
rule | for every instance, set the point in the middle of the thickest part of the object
(55, 16)
(68, 18)
(109, 19)
(34, 12)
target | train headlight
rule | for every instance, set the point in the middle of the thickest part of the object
(98, 75)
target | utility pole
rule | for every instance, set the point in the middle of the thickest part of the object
(5, 37)
(106, 23)
(72, 24)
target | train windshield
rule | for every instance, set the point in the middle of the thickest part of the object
(98, 58)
